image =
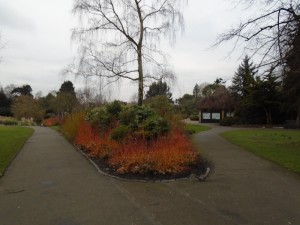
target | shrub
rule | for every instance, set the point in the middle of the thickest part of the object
(71, 125)
(227, 121)
(100, 118)
(155, 126)
(10, 122)
(120, 133)
(114, 108)
(128, 115)
(194, 117)
(52, 121)
(172, 154)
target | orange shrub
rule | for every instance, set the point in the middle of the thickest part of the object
(89, 139)
(172, 154)
(52, 121)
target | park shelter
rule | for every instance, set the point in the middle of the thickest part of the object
(216, 106)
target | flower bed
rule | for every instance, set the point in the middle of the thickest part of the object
(133, 141)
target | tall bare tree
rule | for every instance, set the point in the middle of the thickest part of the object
(120, 38)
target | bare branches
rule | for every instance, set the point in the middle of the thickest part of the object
(268, 35)
(119, 38)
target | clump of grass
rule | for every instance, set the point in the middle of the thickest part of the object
(71, 125)
(195, 128)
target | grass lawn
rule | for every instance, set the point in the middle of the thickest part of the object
(11, 141)
(195, 128)
(56, 128)
(279, 146)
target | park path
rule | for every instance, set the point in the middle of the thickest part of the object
(50, 183)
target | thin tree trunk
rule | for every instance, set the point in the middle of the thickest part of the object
(140, 56)
(141, 79)
(298, 118)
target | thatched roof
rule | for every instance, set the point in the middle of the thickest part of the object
(220, 99)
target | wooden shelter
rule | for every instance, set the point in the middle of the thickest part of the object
(217, 106)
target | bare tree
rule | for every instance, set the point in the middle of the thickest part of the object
(120, 38)
(269, 34)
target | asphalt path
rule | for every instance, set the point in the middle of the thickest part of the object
(51, 183)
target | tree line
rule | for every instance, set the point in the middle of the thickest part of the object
(18, 101)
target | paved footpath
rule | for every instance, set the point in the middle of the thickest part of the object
(50, 183)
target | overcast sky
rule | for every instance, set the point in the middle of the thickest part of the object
(36, 34)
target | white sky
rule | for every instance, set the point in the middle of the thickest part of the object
(36, 34)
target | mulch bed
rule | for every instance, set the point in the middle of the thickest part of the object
(198, 170)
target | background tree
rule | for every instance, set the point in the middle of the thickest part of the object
(5, 104)
(243, 79)
(273, 36)
(159, 88)
(187, 105)
(23, 90)
(67, 87)
(26, 107)
(196, 91)
(65, 101)
(209, 89)
(127, 34)
(265, 95)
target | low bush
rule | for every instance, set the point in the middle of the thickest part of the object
(120, 133)
(10, 122)
(227, 121)
(52, 121)
(194, 117)
(167, 155)
(71, 125)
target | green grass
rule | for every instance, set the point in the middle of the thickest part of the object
(279, 146)
(195, 128)
(11, 141)
(56, 128)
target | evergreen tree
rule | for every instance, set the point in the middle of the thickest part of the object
(4, 104)
(159, 88)
(265, 95)
(243, 78)
(23, 90)
(67, 87)
(291, 78)
(196, 91)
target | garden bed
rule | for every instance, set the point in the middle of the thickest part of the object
(102, 165)
(134, 142)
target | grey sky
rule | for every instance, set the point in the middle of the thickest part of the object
(36, 34)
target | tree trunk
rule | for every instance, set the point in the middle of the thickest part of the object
(141, 78)
(298, 118)
(268, 116)
(140, 56)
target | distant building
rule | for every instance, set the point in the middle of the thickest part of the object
(217, 106)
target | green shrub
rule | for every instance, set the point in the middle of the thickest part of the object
(227, 121)
(119, 133)
(100, 118)
(127, 116)
(10, 122)
(143, 113)
(114, 108)
(194, 117)
(156, 126)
